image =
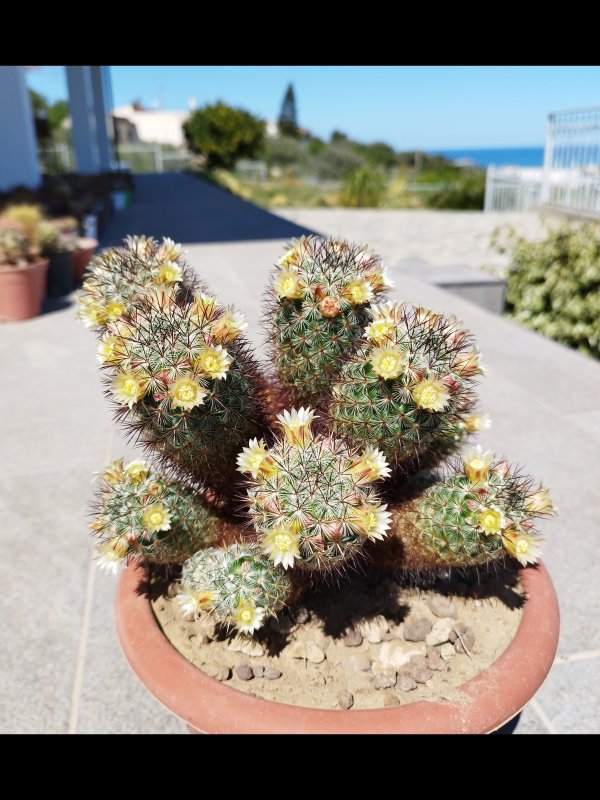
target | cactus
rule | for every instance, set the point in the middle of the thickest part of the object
(394, 386)
(236, 584)
(184, 381)
(480, 512)
(317, 311)
(116, 277)
(14, 248)
(142, 515)
(309, 496)
(409, 388)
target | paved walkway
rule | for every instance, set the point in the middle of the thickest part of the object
(432, 238)
(61, 668)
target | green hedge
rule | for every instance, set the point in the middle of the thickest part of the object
(554, 284)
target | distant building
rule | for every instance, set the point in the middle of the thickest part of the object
(272, 129)
(151, 125)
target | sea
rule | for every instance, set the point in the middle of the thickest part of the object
(500, 156)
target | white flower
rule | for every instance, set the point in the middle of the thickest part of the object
(108, 560)
(191, 604)
(296, 424)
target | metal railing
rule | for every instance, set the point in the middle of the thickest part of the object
(136, 157)
(570, 178)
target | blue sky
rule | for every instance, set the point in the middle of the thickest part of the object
(410, 107)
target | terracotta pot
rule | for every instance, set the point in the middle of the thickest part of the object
(22, 290)
(82, 257)
(490, 699)
(60, 273)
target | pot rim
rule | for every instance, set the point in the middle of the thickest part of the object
(30, 266)
(486, 702)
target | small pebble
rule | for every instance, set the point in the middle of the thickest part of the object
(383, 681)
(373, 629)
(358, 662)
(271, 674)
(390, 698)
(434, 660)
(345, 700)
(258, 671)
(417, 631)
(353, 638)
(440, 632)
(406, 683)
(447, 651)
(314, 653)
(246, 645)
(244, 672)
(441, 606)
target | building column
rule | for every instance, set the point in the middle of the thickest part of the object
(101, 91)
(83, 120)
(18, 145)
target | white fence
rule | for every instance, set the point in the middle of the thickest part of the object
(136, 157)
(570, 178)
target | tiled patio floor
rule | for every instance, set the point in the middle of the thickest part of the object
(60, 665)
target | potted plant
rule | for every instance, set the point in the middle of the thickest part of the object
(22, 274)
(296, 503)
(59, 246)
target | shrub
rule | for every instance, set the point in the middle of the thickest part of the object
(223, 134)
(554, 284)
(363, 187)
(467, 193)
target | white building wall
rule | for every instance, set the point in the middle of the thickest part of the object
(18, 149)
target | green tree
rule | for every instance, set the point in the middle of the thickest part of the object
(288, 116)
(223, 134)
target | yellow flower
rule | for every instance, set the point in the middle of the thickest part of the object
(372, 520)
(186, 392)
(359, 291)
(296, 425)
(255, 459)
(114, 310)
(192, 603)
(204, 307)
(137, 471)
(431, 394)
(169, 251)
(381, 331)
(229, 325)
(128, 388)
(92, 314)
(156, 517)
(168, 273)
(281, 544)
(467, 364)
(114, 472)
(287, 283)
(477, 464)
(379, 279)
(370, 466)
(293, 254)
(119, 545)
(388, 362)
(539, 502)
(426, 316)
(491, 521)
(214, 362)
(522, 546)
(248, 617)
(476, 422)
(110, 349)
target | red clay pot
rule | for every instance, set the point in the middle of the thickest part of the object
(22, 290)
(207, 706)
(82, 257)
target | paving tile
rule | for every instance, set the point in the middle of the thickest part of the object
(112, 698)
(44, 557)
(570, 696)
(529, 723)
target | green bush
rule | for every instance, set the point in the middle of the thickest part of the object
(223, 134)
(554, 284)
(363, 187)
(467, 193)
(335, 161)
(284, 151)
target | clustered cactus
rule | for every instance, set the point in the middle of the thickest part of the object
(258, 493)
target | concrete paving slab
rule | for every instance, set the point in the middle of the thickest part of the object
(570, 697)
